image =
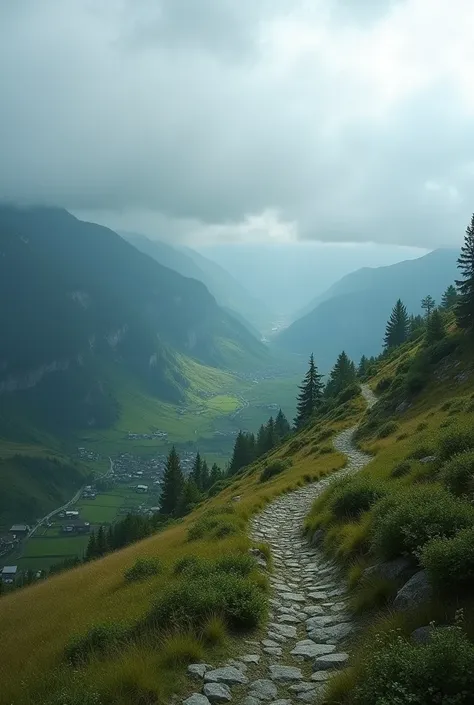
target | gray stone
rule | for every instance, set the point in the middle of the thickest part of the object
(273, 650)
(285, 673)
(390, 570)
(314, 610)
(320, 676)
(318, 595)
(323, 621)
(284, 629)
(250, 658)
(422, 635)
(250, 700)
(277, 637)
(217, 692)
(229, 675)
(282, 701)
(263, 689)
(270, 643)
(288, 619)
(309, 649)
(293, 597)
(331, 634)
(323, 663)
(309, 696)
(302, 687)
(239, 665)
(198, 669)
(414, 593)
(428, 459)
(317, 537)
(196, 699)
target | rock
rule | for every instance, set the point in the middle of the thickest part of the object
(320, 676)
(293, 597)
(250, 700)
(273, 650)
(317, 537)
(288, 619)
(284, 629)
(323, 621)
(217, 692)
(414, 593)
(237, 498)
(269, 643)
(263, 689)
(198, 669)
(404, 406)
(323, 663)
(314, 610)
(285, 673)
(250, 658)
(318, 595)
(302, 687)
(309, 649)
(228, 675)
(259, 557)
(428, 459)
(390, 570)
(281, 702)
(331, 634)
(239, 665)
(277, 637)
(422, 635)
(309, 696)
(196, 699)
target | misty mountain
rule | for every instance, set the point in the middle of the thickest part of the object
(226, 290)
(352, 314)
(80, 307)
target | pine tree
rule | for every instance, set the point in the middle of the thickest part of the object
(450, 298)
(197, 471)
(342, 375)
(102, 547)
(91, 550)
(261, 441)
(363, 367)
(465, 304)
(244, 452)
(282, 427)
(172, 484)
(435, 329)
(216, 474)
(428, 304)
(270, 435)
(189, 497)
(310, 394)
(396, 331)
(204, 476)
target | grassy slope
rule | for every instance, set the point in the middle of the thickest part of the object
(41, 619)
(446, 402)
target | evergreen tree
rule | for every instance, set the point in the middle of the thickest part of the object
(450, 298)
(282, 427)
(363, 367)
(261, 441)
(102, 547)
(428, 304)
(396, 331)
(172, 484)
(435, 329)
(204, 476)
(91, 550)
(310, 394)
(342, 375)
(465, 304)
(216, 474)
(197, 471)
(270, 435)
(190, 496)
(244, 452)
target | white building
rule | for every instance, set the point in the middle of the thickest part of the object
(9, 574)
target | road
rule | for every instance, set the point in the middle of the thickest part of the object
(73, 500)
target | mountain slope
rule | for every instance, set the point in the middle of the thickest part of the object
(353, 313)
(226, 290)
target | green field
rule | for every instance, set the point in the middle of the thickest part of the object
(55, 546)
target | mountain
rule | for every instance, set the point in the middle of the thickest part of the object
(352, 314)
(226, 290)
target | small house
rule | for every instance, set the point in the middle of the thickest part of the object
(76, 526)
(20, 529)
(143, 489)
(70, 514)
(9, 574)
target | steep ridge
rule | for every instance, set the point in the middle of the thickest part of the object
(310, 622)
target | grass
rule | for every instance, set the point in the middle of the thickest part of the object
(55, 547)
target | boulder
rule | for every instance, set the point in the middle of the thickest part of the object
(324, 663)
(228, 675)
(309, 649)
(217, 692)
(196, 699)
(263, 689)
(422, 635)
(285, 673)
(197, 670)
(414, 593)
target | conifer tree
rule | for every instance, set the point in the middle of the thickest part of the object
(197, 471)
(363, 367)
(215, 475)
(435, 329)
(282, 427)
(91, 550)
(449, 298)
(270, 435)
(465, 304)
(396, 331)
(428, 304)
(204, 476)
(342, 375)
(190, 496)
(261, 441)
(172, 484)
(102, 547)
(243, 453)
(310, 394)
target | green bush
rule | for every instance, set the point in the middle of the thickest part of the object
(450, 562)
(383, 384)
(143, 568)
(416, 380)
(239, 563)
(237, 600)
(399, 672)
(98, 639)
(356, 496)
(458, 473)
(387, 429)
(456, 441)
(420, 452)
(406, 520)
(442, 349)
(187, 565)
(213, 527)
(350, 392)
(272, 469)
(401, 469)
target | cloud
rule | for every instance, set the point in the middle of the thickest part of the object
(337, 121)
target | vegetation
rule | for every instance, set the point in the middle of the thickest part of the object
(143, 568)
(465, 303)
(310, 394)
(396, 332)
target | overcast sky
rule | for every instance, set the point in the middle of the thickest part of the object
(339, 120)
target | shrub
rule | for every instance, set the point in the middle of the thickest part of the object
(405, 521)
(187, 565)
(401, 469)
(399, 672)
(450, 562)
(383, 384)
(143, 568)
(458, 473)
(181, 649)
(420, 452)
(416, 380)
(213, 527)
(442, 349)
(191, 603)
(356, 496)
(350, 392)
(98, 639)
(387, 429)
(214, 631)
(272, 469)
(456, 441)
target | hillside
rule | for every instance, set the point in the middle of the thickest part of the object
(227, 291)
(87, 323)
(353, 313)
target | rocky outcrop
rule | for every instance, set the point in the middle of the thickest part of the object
(414, 593)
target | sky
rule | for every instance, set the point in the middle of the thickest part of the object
(243, 120)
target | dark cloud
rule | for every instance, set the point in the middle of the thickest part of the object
(203, 114)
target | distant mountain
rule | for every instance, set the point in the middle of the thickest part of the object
(226, 290)
(78, 302)
(352, 314)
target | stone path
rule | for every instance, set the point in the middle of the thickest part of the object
(309, 622)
